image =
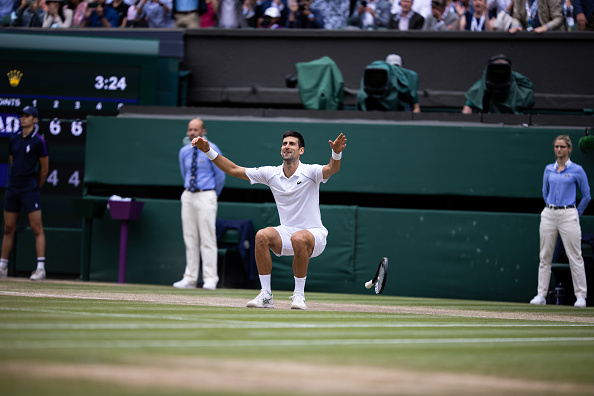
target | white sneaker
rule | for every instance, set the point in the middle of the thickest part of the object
(263, 300)
(580, 302)
(3, 273)
(538, 300)
(210, 285)
(38, 274)
(182, 284)
(298, 301)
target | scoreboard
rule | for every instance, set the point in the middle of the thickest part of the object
(64, 97)
(66, 83)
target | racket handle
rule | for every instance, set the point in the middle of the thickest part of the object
(369, 284)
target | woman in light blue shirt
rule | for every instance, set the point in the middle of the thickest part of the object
(561, 217)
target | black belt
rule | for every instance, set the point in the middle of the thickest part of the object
(186, 12)
(188, 190)
(560, 207)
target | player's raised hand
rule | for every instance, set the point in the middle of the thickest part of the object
(201, 143)
(339, 144)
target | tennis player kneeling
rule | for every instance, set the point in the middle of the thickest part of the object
(296, 190)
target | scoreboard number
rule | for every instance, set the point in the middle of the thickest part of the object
(53, 179)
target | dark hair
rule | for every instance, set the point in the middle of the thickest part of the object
(297, 135)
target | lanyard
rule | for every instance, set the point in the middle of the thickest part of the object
(478, 26)
(531, 11)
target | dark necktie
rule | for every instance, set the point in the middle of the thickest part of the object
(193, 169)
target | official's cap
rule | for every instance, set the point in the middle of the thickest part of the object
(30, 110)
(394, 59)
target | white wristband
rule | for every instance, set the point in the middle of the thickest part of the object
(211, 154)
(336, 156)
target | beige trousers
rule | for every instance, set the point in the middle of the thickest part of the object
(564, 222)
(190, 21)
(199, 214)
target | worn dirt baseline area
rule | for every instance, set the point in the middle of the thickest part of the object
(214, 301)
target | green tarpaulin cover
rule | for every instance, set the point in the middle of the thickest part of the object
(321, 86)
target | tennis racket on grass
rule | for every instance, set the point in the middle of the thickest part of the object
(379, 280)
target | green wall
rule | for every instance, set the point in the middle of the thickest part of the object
(470, 160)
(471, 255)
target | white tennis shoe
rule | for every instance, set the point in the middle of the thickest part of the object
(182, 284)
(580, 302)
(298, 301)
(538, 300)
(38, 274)
(3, 273)
(263, 300)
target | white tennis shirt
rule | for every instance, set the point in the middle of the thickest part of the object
(298, 197)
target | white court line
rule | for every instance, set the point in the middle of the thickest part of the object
(257, 325)
(132, 344)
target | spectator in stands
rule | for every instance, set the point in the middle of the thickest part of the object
(203, 183)
(99, 15)
(567, 6)
(157, 13)
(187, 13)
(561, 217)
(496, 6)
(460, 6)
(122, 9)
(406, 18)
(209, 18)
(503, 21)
(500, 90)
(422, 7)
(29, 14)
(537, 15)
(133, 18)
(295, 187)
(271, 19)
(57, 16)
(335, 12)
(584, 14)
(230, 14)
(79, 9)
(6, 8)
(29, 165)
(281, 5)
(303, 16)
(441, 19)
(249, 13)
(371, 14)
(476, 21)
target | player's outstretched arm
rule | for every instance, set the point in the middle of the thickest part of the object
(334, 165)
(221, 162)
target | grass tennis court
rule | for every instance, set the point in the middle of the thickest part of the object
(76, 338)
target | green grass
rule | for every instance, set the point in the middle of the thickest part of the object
(99, 326)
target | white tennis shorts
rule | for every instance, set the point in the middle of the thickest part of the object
(319, 233)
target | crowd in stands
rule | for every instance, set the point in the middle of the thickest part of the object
(427, 15)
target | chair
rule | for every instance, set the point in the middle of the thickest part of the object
(237, 262)
(227, 242)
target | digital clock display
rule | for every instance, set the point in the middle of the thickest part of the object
(112, 83)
